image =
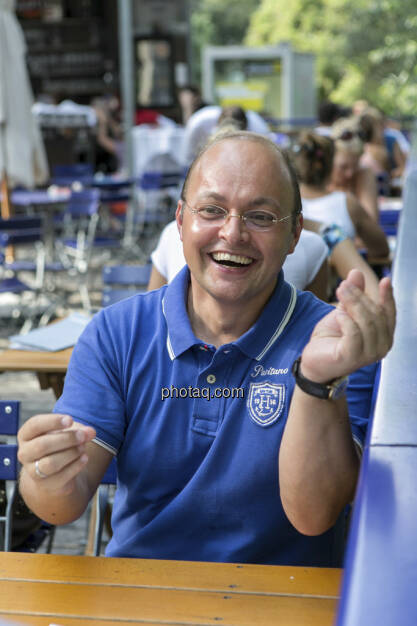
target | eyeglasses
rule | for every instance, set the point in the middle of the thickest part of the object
(255, 219)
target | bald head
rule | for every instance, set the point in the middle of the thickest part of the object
(282, 162)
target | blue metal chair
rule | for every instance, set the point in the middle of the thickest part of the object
(74, 246)
(157, 195)
(20, 231)
(36, 529)
(75, 172)
(80, 238)
(122, 281)
(9, 424)
(17, 232)
(388, 220)
(383, 184)
(80, 219)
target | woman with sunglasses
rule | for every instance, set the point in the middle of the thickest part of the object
(347, 174)
(382, 152)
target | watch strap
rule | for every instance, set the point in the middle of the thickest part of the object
(325, 391)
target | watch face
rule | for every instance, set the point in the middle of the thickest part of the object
(338, 388)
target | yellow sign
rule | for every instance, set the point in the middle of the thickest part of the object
(249, 94)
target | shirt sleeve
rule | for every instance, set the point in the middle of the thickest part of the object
(361, 395)
(93, 389)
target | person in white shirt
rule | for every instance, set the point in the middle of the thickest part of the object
(204, 122)
(313, 160)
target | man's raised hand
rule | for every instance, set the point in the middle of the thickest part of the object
(358, 332)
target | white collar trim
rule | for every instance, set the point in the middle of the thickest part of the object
(169, 344)
(284, 321)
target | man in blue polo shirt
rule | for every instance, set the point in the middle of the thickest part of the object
(229, 446)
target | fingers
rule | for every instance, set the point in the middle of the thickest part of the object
(352, 341)
(356, 277)
(375, 321)
(52, 443)
(51, 464)
(358, 332)
(386, 295)
(57, 470)
(41, 424)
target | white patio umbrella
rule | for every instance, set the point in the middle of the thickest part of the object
(22, 153)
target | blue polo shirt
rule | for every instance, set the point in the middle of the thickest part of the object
(197, 473)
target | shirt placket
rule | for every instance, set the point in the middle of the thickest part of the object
(213, 376)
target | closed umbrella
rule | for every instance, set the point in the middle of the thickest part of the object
(22, 153)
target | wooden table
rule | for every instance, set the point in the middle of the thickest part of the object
(73, 590)
(50, 367)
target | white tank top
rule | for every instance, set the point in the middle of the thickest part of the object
(330, 209)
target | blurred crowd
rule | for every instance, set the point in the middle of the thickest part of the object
(345, 163)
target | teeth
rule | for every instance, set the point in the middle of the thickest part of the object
(235, 258)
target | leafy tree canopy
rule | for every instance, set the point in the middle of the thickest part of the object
(365, 49)
(218, 23)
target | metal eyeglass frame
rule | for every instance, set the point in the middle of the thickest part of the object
(243, 217)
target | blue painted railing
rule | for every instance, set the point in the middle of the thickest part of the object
(380, 579)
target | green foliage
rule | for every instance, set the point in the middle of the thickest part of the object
(364, 48)
(218, 23)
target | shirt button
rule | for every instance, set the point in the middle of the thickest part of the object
(211, 378)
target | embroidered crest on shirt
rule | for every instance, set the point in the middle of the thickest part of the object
(266, 401)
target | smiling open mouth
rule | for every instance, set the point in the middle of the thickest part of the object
(231, 260)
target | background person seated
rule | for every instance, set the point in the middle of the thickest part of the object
(328, 113)
(190, 101)
(382, 154)
(109, 135)
(392, 128)
(347, 175)
(313, 159)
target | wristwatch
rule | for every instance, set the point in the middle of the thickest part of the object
(326, 391)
